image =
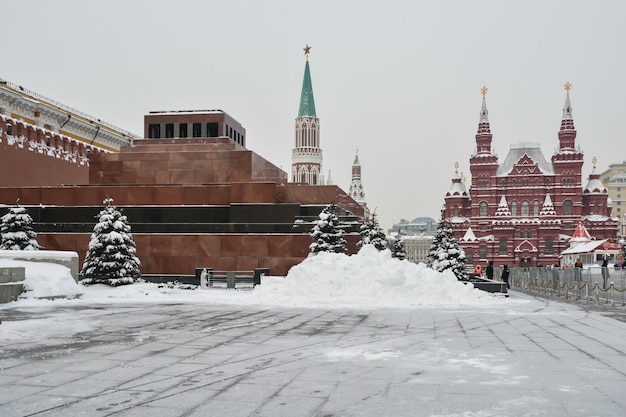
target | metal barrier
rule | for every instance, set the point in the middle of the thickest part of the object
(596, 285)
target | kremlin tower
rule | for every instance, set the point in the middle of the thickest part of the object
(306, 157)
(356, 185)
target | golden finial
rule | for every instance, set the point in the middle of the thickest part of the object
(357, 151)
(456, 166)
(593, 161)
(307, 51)
(567, 86)
(483, 91)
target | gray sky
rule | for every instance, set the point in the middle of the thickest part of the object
(400, 81)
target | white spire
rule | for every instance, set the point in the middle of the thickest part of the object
(548, 207)
(503, 208)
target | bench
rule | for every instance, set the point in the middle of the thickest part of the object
(231, 279)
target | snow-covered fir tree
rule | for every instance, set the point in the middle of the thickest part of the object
(17, 231)
(372, 234)
(398, 251)
(446, 253)
(111, 255)
(327, 232)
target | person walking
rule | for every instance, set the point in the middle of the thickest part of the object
(605, 271)
(505, 276)
(489, 270)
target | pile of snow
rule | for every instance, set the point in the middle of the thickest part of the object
(45, 279)
(369, 279)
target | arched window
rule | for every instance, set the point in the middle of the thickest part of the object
(525, 209)
(567, 208)
(535, 208)
(503, 243)
(514, 209)
(549, 246)
(482, 252)
(483, 209)
(596, 208)
(302, 177)
(456, 211)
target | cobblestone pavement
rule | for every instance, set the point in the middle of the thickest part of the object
(537, 358)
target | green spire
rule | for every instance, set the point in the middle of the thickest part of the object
(307, 103)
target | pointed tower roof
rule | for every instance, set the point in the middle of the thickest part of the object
(503, 208)
(469, 236)
(567, 108)
(548, 207)
(483, 135)
(457, 188)
(581, 234)
(595, 185)
(307, 103)
(567, 132)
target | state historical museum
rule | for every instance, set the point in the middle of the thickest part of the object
(524, 210)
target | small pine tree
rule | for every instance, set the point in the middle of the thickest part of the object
(446, 253)
(17, 231)
(111, 256)
(398, 252)
(372, 234)
(327, 232)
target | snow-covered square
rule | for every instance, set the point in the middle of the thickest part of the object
(361, 335)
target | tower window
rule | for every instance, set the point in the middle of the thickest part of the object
(197, 130)
(182, 130)
(169, 130)
(211, 130)
(567, 208)
(9, 129)
(503, 244)
(154, 131)
(483, 209)
(525, 209)
(549, 247)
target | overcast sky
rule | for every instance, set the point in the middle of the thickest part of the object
(398, 80)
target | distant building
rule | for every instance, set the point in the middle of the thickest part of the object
(417, 247)
(614, 179)
(193, 124)
(306, 156)
(417, 226)
(524, 210)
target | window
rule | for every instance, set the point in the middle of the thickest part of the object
(303, 178)
(211, 130)
(314, 179)
(197, 130)
(482, 252)
(535, 208)
(169, 130)
(503, 247)
(182, 130)
(483, 209)
(154, 131)
(9, 129)
(549, 247)
(514, 209)
(525, 209)
(567, 208)
(456, 211)
(596, 208)
(522, 233)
